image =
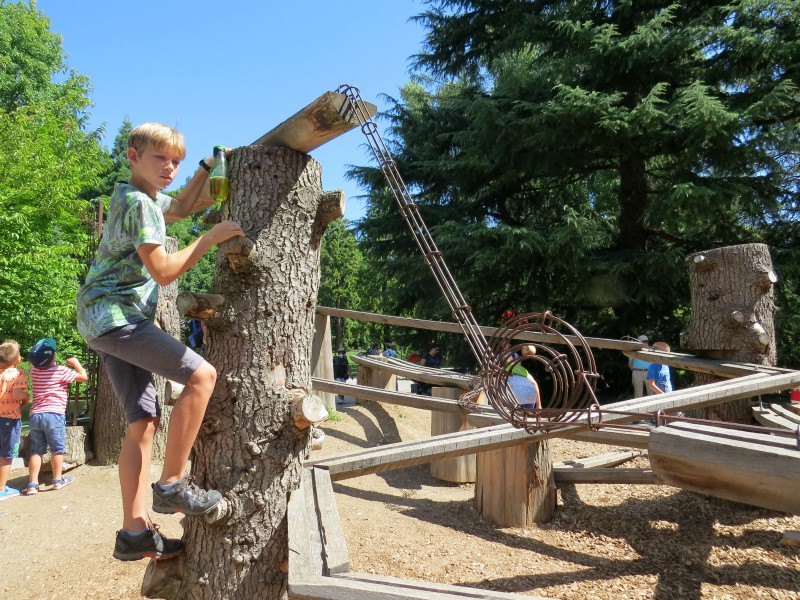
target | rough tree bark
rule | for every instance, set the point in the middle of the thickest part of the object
(733, 307)
(252, 441)
(108, 425)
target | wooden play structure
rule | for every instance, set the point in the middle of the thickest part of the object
(760, 468)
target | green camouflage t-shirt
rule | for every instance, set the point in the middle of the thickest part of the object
(118, 289)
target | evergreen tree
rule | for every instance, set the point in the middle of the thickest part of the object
(569, 155)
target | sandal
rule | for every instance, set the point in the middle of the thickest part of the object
(63, 482)
(31, 489)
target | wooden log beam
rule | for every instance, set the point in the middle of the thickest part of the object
(603, 475)
(403, 454)
(334, 544)
(326, 118)
(742, 466)
(199, 306)
(719, 368)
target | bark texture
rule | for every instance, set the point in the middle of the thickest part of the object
(260, 343)
(108, 425)
(733, 307)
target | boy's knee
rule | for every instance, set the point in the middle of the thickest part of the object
(205, 375)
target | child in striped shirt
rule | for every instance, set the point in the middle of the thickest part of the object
(48, 424)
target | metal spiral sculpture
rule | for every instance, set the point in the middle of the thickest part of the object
(572, 373)
(566, 361)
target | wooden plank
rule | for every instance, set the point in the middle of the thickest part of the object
(487, 331)
(726, 466)
(714, 429)
(312, 520)
(438, 377)
(404, 454)
(361, 392)
(327, 117)
(334, 544)
(785, 412)
(603, 475)
(718, 368)
(769, 418)
(609, 459)
(301, 561)
(451, 591)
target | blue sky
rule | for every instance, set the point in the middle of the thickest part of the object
(228, 72)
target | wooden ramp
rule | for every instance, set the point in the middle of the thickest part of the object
(753, 468)
(319, 563)
(775, 415)
(398, 366)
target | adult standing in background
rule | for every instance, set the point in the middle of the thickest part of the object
(341, 368)
(390, 351)
(639, 371)
(432, 359)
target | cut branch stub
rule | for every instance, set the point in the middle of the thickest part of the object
(237, 252)
(199, 306)
(331, 207)
(767, 279)
(306, 409)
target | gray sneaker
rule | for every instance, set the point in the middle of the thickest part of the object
(185, 497)
(151, 545)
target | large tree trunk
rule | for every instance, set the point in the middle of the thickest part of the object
(250, 447)
(108, 425)
(732, 314)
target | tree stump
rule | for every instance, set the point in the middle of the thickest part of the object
(108, 425)
(250, 447)
(733, 306)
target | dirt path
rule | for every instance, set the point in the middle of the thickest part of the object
(607, 542)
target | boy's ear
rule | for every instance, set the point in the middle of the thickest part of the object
(133, 155)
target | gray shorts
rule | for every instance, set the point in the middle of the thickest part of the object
(132, 354)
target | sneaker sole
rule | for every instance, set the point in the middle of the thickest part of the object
(173, 511)
(152, 555)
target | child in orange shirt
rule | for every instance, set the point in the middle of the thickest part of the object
(13, 396)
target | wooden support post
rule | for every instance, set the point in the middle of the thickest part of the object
(460, 469)
(322, 356)
(514, 486)
(377, 378)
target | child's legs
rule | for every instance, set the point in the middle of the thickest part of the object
(134, 472)
(9, 446)
(38, 439)
(56, 434)
(185, 421)
(131, 355)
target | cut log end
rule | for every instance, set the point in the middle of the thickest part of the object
(237, 252)
(199, 306)
(307, 409)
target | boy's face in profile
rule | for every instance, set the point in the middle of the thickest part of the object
(157, 167)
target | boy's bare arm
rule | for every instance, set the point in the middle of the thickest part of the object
(196, 196)
(21, 396)
(166, 268)
(74, 363)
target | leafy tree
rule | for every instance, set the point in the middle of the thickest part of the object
(47, 159)
(569, 155)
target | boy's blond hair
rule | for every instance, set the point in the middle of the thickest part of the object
(663, 346)
(157, 136)
(9, 353)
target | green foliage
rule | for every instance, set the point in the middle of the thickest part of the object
(47, 160)
(567, 156)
